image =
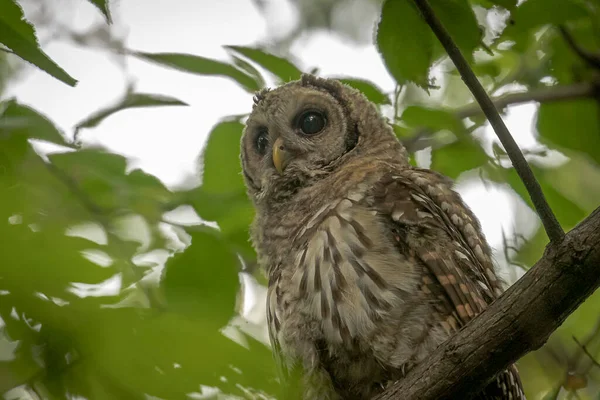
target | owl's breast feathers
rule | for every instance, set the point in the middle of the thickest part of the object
(378, 276)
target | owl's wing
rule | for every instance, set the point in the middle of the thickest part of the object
(431, 224)
(273, 325)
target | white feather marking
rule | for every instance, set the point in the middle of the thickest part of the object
(446, 206)
(397, 214)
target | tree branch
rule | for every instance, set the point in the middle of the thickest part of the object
(541, 95)
(551, 225)
(520, 321)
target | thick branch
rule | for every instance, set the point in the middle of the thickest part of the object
(520, 321)
(551, 225)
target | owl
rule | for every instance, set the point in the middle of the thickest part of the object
(371, 262)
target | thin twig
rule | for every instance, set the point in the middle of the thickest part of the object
(551, 225)
(591, 59)
(587, 352)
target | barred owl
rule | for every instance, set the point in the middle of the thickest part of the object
(372, 263)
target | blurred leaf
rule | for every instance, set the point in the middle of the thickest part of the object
(434, 119)
(369, 89)
(221, 157)
(249, 69)
(564, 64)
(17, 366)
(222, 196)
(201, 66)
(232, 211)
(567, 212)
(17, 119)
(96, 174)
(131, 100)
(573, 124)
(508, 4)
(278, 66)
(459, 19)
(100, 177)
(403, 132)
(578, 179)
(405, 42)
(457, 157)
(191, 352)
(102, 5)
(18, 35)
(402, 32)
(55, 265)
(533, 13)
(190, 279)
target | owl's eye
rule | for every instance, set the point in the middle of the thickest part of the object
(261, 142)
(311, 122)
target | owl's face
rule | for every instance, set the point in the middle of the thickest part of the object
(303, 131)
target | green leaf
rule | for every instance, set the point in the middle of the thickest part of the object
(202, 281)
(17, 119)
(101, 177)
(222, 165)
(369, 89)
(102, 5)
(533, 13)
(434, 119)
(402, 132)
(405, 42)
(18, 35)
(563, 63)
(458, 157)
(508, 4)
(282, 68)
(131, 100)
(249, 69)
(52, 268)
(222, 196)
(573, 124)
(191, 353)
(200, 66)
(458, 18)
(567, 212)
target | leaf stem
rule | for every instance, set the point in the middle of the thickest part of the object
(551, 225)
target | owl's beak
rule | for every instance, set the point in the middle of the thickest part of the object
(281, 156)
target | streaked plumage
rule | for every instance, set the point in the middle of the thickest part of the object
(372, 263)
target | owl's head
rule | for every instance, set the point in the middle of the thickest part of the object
(305, 130)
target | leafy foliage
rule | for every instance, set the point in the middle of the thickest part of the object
(19, 36)
(82, 314)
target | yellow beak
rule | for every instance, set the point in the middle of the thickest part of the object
(281, 156)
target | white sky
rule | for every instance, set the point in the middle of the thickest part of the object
(166, 141)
